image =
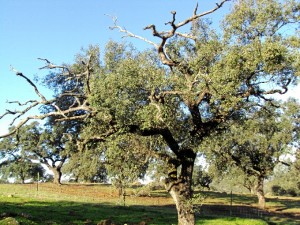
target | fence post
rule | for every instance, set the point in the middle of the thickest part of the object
(37, 183)
(231, 203)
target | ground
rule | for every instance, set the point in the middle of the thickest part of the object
(94, 203)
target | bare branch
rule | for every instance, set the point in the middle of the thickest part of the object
(196, 9)
(21, 104)
(195, 16)
(50, 65)
(284, 86)
(128, 33)
(21, 113)
(30, 82)
(201, 96)
(22, 122)
(172, 22)
(189, 36)
(164, 36)
(88, 66)
(61, 114)
(79, 104)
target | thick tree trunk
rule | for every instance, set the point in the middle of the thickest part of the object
(183, 201)
(179, 185)
(57, 175)
(260, 193)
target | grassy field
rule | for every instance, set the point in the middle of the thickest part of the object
(91, 204)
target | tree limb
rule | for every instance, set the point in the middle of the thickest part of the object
(30, 82)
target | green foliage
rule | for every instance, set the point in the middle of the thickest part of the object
(201, 178)
(86, 166)
(22, 170)
(233, 179)
(255, 143)
(126, 161)
(15, 161)
(187, 89)
(285, 181)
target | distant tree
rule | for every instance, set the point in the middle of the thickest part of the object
(201, 177)
(255, 143)
(22, 170)
(9, 149)
(232, 178)
(50, 145)
(86, 166)
(286, 180)
(14, 163)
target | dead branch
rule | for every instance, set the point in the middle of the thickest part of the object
(62, 115)
(50, 65)
(196, 16)
(128, 33)
(188, 36)
(165, 35)
(80, 104)
(30, 82)
(21, 104)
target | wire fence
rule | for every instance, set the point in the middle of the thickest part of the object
(235, 211)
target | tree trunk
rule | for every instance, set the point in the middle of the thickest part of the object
(183, 201)
(179, 185)
(57, 175)
(260, 193)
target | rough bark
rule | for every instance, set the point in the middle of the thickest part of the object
(260, 193)
(57, 175)
(183, 204)
(179, 184)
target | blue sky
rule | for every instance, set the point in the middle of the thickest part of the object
(58, 29)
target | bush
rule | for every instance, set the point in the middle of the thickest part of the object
(291, 192)
(280, 191)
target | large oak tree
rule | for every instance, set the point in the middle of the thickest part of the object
(188, 86)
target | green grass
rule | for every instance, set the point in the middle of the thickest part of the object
(31, 211)
(67, 212)
(90, 204)
(231, 221)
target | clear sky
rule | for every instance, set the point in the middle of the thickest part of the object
(58, 29)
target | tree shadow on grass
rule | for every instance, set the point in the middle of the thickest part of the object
(285, 203)
(70, 212)
(65, 212)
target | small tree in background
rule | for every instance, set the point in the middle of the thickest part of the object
(50, 145)
(21, 170)
(286, 180)
(256, 142)
(202, 178)
(232, 178)
(86, 166)
(15, 164)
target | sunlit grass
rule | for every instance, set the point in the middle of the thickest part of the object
(231, 221)
(89, 204)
